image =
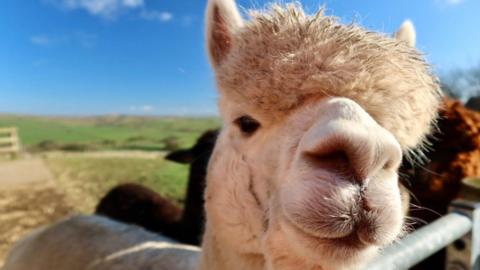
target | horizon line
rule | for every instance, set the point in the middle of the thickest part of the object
(3, 114)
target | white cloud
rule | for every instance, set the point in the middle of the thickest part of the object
(83, 39)
(200, 110)
(454, 2)
(108, 9)
(161, 16)
(133, 3)
(111, 9)
(48, 40)
(146, 108)
(141, 108)
(41, 40)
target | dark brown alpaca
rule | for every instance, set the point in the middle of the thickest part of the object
(134, 203)
(454, 155)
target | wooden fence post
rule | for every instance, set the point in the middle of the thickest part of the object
(9, 142)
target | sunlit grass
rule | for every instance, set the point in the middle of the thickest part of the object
(85, 180)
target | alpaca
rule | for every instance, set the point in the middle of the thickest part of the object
(316, 116)
(455, 155)
(134, 203)
(198, 156)
(98, 243)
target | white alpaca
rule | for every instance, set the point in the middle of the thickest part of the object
(97, 243)
(316, 116)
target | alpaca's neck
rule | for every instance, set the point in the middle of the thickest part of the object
(216, 256)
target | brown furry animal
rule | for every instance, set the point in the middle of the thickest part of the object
(454, 155)
(139, 205)
(193, 218)
(136, 204)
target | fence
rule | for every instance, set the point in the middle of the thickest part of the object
(459, 231)
(9, 142)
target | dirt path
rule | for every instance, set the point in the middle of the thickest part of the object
(21, 173)
(109, 154)
(30, 195)
(28, 199)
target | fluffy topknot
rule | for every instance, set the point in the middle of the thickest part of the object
(282, 57)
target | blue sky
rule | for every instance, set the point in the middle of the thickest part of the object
(90, 57)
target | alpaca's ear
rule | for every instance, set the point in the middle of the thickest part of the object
(407, 33)
(222, 19)
(181, 156)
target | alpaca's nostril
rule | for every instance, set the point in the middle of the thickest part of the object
(336, 161)
(348, 145)
(337, 158)
(355, 154)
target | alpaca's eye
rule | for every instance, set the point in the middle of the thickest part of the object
(247, 124)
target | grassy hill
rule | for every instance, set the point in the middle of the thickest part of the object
(84, 179)
(108, 132)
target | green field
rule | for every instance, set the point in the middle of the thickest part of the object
(108, 132)
(84, 179)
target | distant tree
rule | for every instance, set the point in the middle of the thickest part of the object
(462, 83)
(450, 91)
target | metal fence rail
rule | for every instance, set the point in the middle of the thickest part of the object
(419, 245)
(461, 224)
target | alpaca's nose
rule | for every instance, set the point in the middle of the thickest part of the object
(350, 144)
